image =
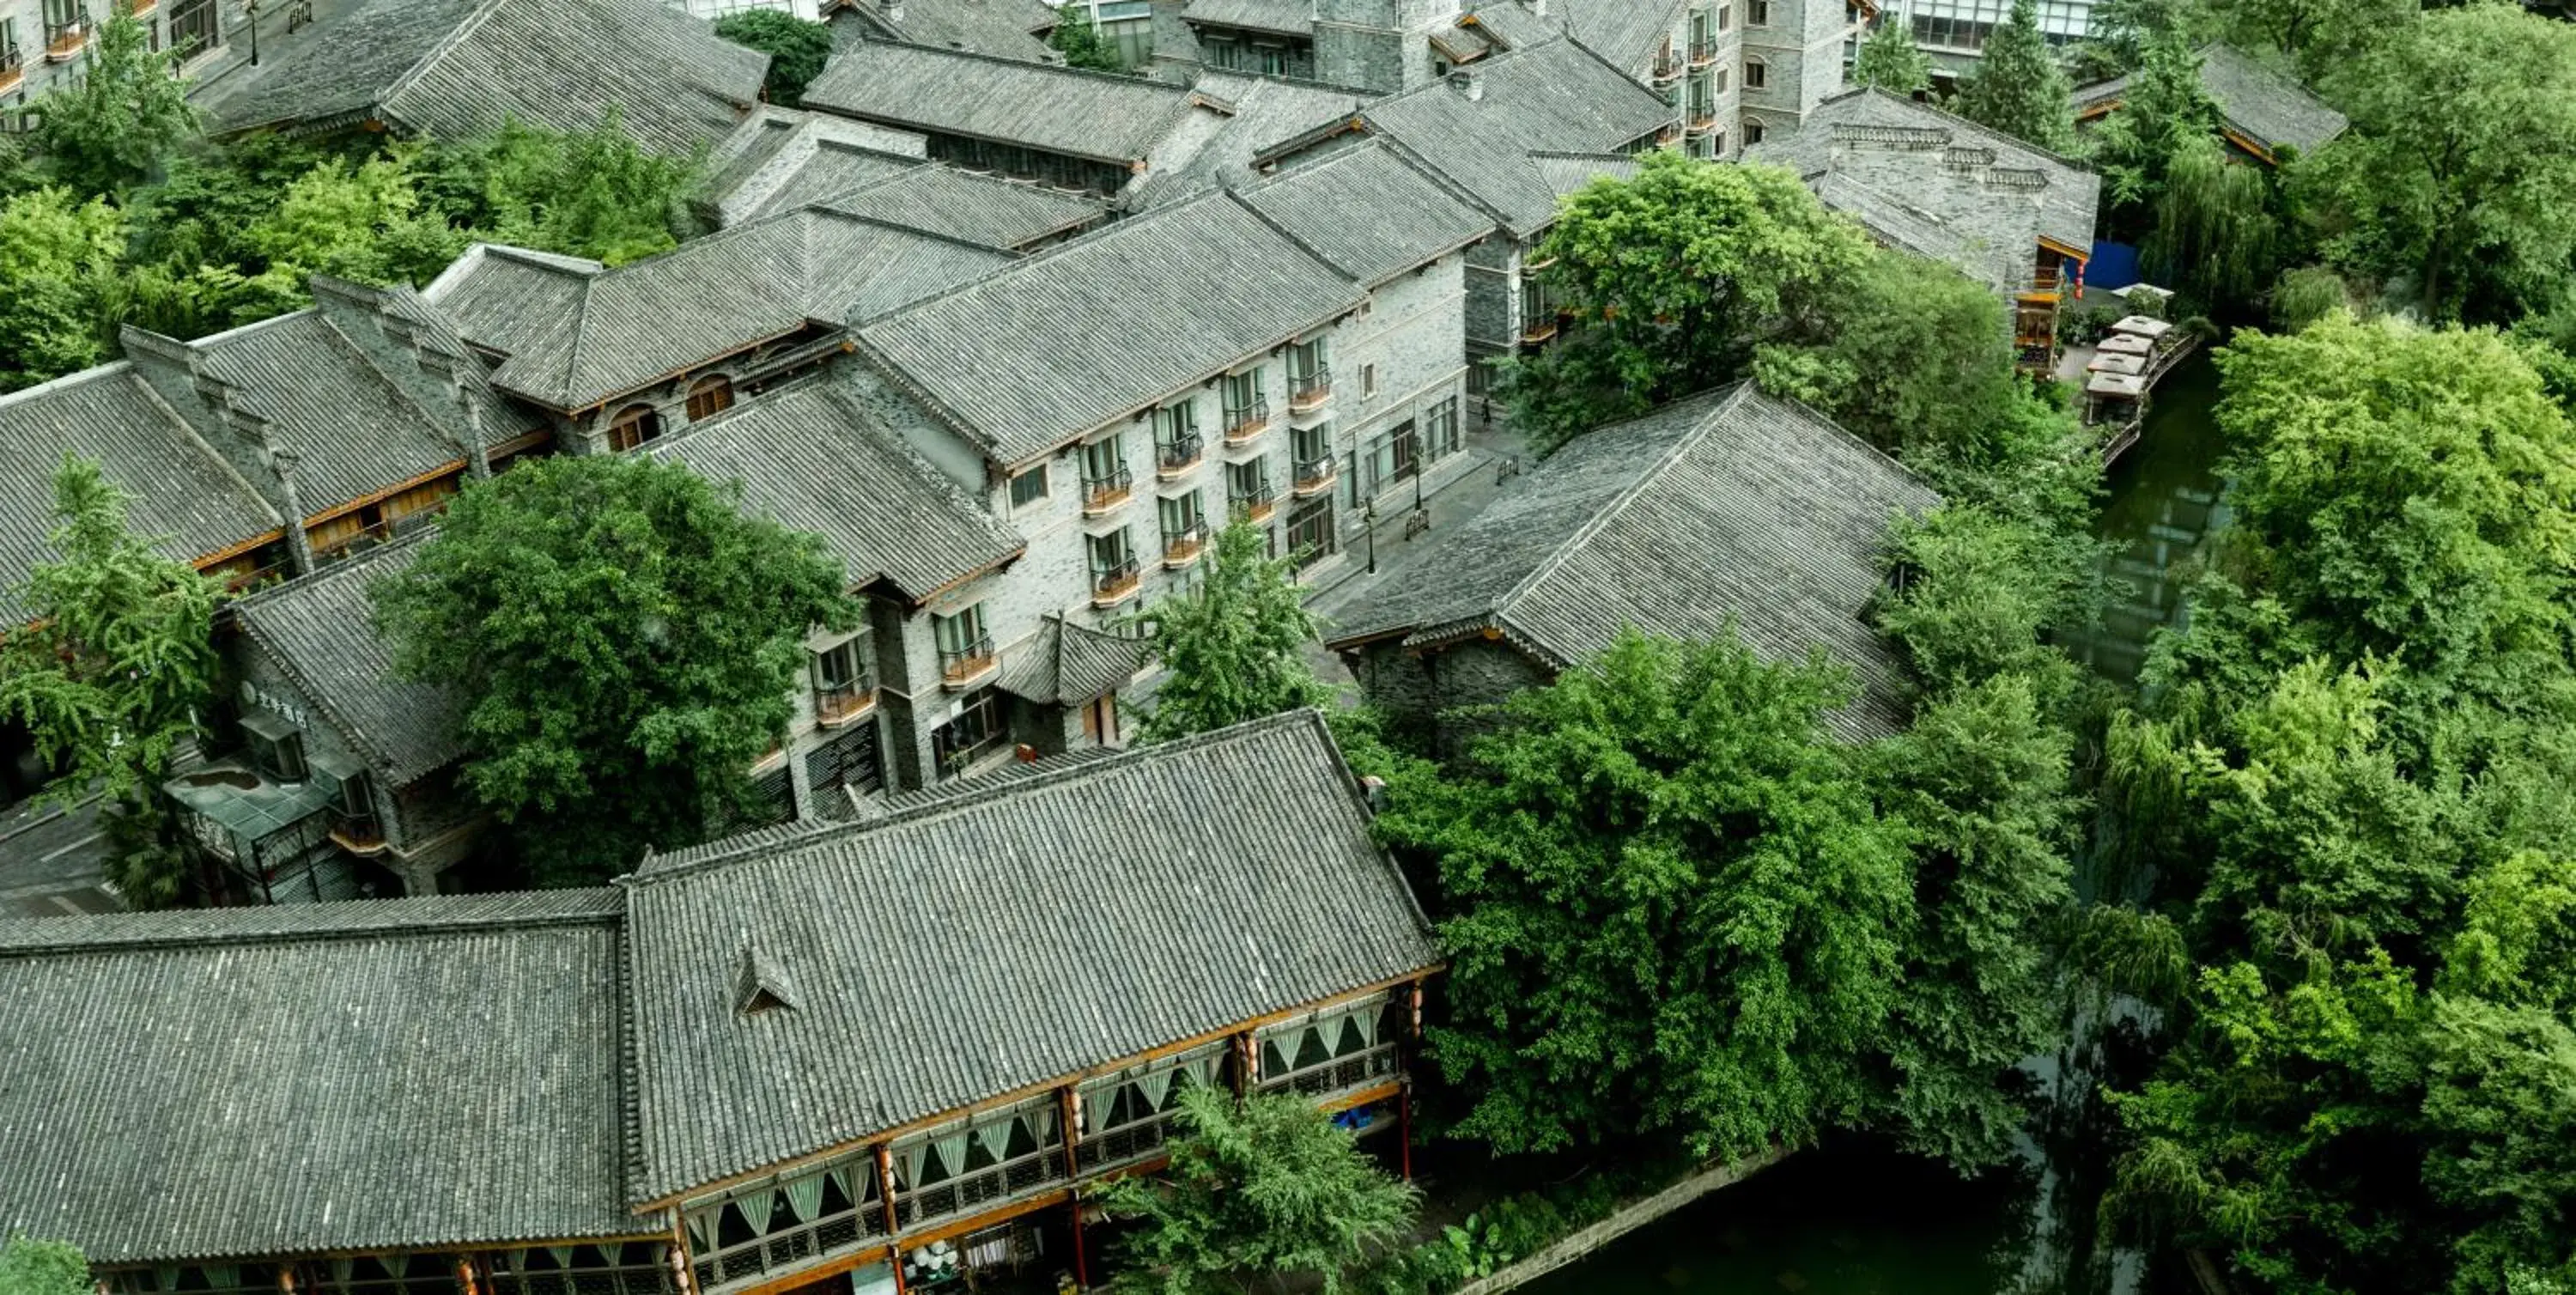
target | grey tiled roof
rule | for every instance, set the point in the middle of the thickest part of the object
(1292, 17)
(1569, 172)
(1096, 329)
(183, 495)
(321, 630)
(997, 213)
(1261, 111)
(834, 169)
(1626, 32)
(1727, 506)
(2266, 106)
(1001, 28)
(811, 459)
(1096, 115)
(1555, 97)
(1917, 176)
(1370, 211)
(256, 1082)
(972, 786)
(1068, 664)
(452, 71)
(971, 948)
(576, 339)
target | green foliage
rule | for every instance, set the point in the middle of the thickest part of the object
(593, 193)
(2018, 87)
(797, 49)
(2317, 37)
(1890, 60)
(2459, 201)
(1669, 275)
(55, 253)
(2306, 295)
(1255, 1191)
(1079, 40)
(2119, 31)
(2161, 110)
(1675, 909)
(361, 222)
(109, 672)
(2219, 232)
(623, 639)
(32, 1267)
(1234, 645)
(119, 123)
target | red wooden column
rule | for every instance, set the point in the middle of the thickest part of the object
(885, 1193)
(1070, 1103)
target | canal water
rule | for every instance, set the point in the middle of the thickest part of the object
(1860, 1219)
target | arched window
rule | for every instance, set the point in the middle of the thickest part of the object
(1753, 130)
(633, 426)
(712, 395)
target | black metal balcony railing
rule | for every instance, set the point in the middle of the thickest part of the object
(1255, 503)
(13, 64)
(1179, 452)
(1703, 53)
(1341, 1074)
(978, 1187)
(1667, 68)
(966, 662)
(1314, 474)
(1307, 390)
(1115, 581)
(1127, 1142)
(1243, 422)
(1107, 490)
(848, 699)
(791, 1245)
(1184, 544)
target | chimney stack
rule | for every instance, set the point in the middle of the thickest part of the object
(1469, 82)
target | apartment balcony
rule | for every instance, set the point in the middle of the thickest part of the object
(362, 834)
(1242, 425)
(1667, 69)
(1256, 506)
(1538, 330)
(1315, 476)
(968, 665)
(981, 1189)
(837, 705)
(1363, 1068)
(64, 42)
(1702, 120)
(1307, 392)
(1182, 548)
(1107, 494)
(13, 69)
(1113, 585)
(1703, 53)
(1178, 457)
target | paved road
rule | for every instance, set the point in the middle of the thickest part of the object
(49, 863)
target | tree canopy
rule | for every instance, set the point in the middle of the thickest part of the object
(797, 49)
(1078, 38)
(117, 124)
(623, 640)
(1255, 1191)
(2019, 88)
(1890, 60)
(32, 1267)
(1233, 646)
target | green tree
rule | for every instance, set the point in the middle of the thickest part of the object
(109, 672)
(1675, 910)
(2018, 87)
(118, 124)
(2118, 32)
(2318, 37)
(1079, 40)
(2460, 203)
(2219, 233)
(1890, 60)
(797, 49)
(1669, 274)
(1234, 646)
(2306, 295)
(2162, 108)
(1254, 1192)
(593, 193)
(363, 223)
(56, 254)
(623, 640)
(32, 1267)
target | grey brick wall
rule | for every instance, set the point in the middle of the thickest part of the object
(1421, 692)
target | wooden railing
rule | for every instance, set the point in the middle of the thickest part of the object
(837, 704)
(1127, 1142)
(999, 1182)
(1341, 1074)
(790, 1246)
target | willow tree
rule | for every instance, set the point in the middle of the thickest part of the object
(2218, 230)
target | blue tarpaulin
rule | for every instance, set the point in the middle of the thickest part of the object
(2114, 265)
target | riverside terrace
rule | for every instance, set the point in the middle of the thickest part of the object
(816, 1054)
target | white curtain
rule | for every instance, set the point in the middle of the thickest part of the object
(1156, 1085)
(702, 1228)
(952, 1152)
(756, 1207)
(805, 1196)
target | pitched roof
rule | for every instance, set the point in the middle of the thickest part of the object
(1554, 97)
(1003, 214)
(1095, 115)
(815, 154)
(1260, 111)
(265, 1081)
(2262, 104)
(814, 461)
(1001, 28)
(1369, 211)
(1107, 324)
(1939, 167)
(577, 337)
(321, 630)
(1730, 505)
(1067, 664)
(1101, 911)
(832, 169)
(452, 70)
(1293, 17)
(181, 494)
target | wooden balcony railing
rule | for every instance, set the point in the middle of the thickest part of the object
(1308, 391)
(967, 664)
(980, 1187)
(1254, 505)
(357, 833)
(1245, 423)
(838, 704)
(790, 1247)
(1315, 476)
(1183, 547)
(1101, 494)
(1180, 455)
(1115, 584)
(1126, 1143)
(1539, 329)
(1341, 1074)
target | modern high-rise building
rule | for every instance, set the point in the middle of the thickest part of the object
(1955, 31)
